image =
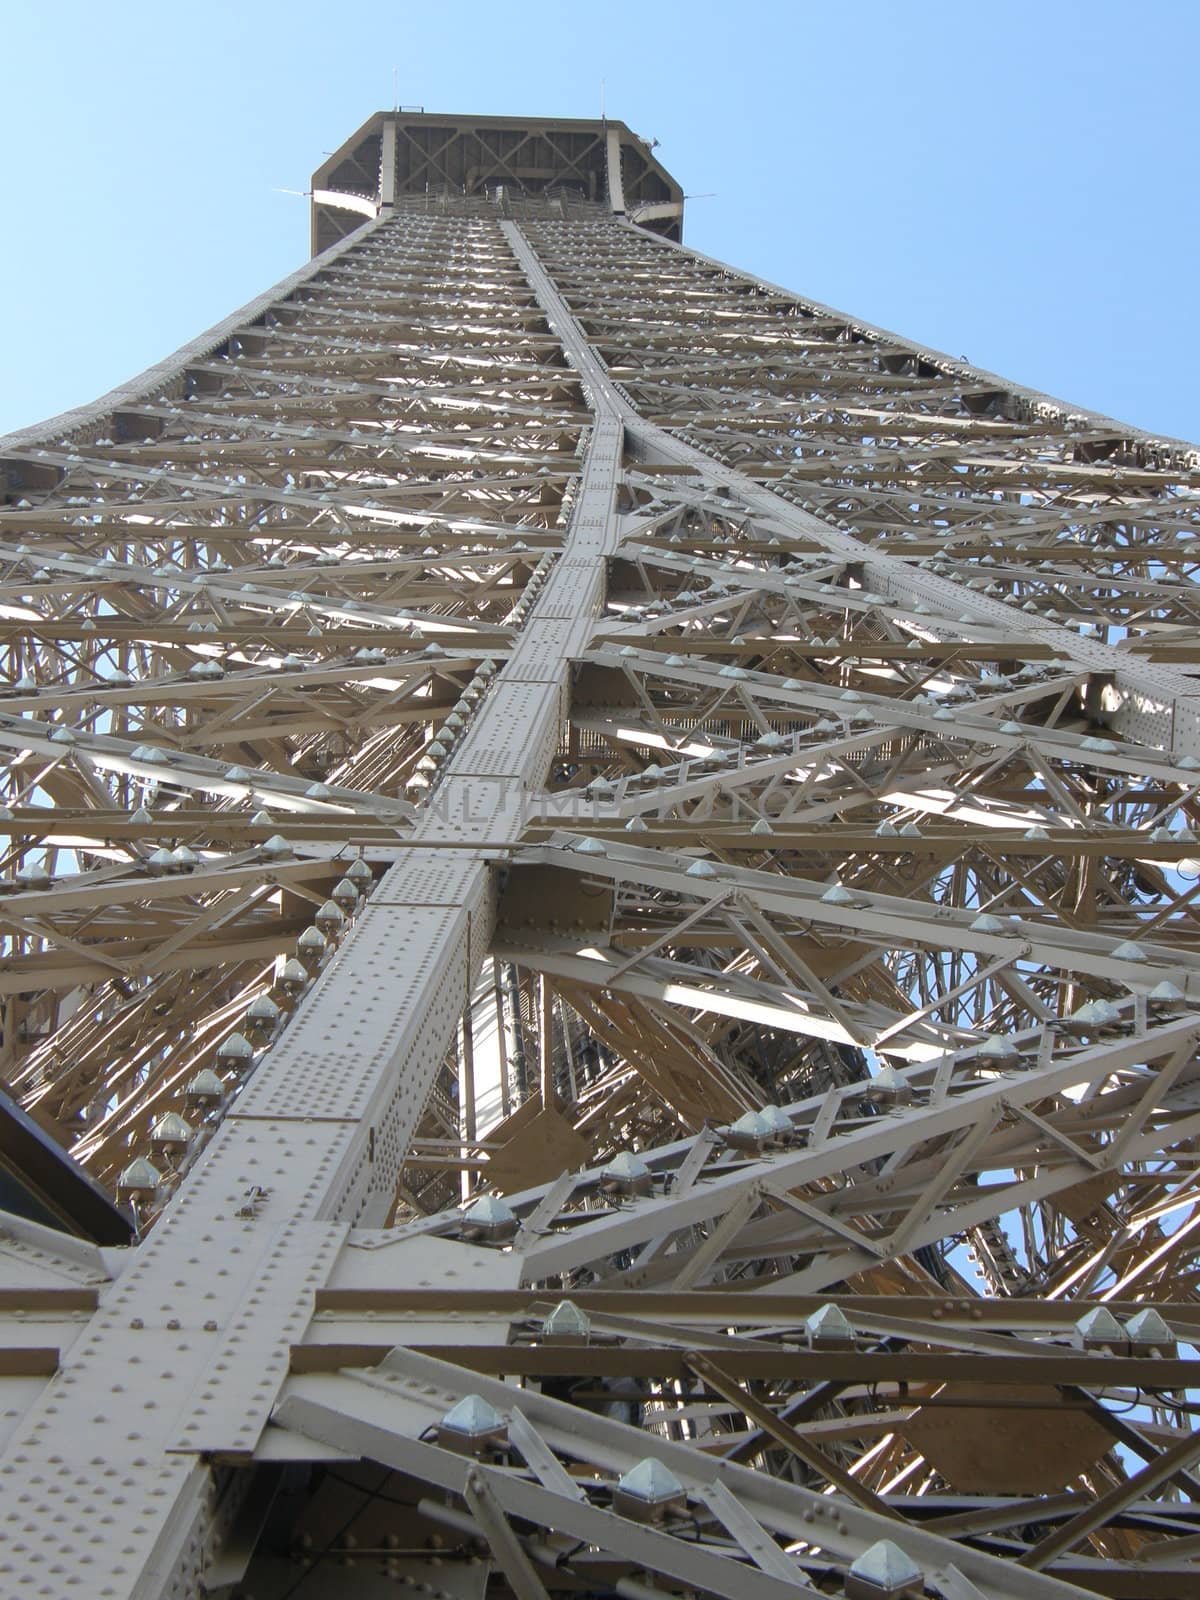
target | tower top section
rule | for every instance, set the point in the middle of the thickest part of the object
(405, 153)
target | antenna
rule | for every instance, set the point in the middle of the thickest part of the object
(602, 116)
(395, 88)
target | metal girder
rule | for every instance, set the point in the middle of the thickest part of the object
(378, 1413)
(479, 726)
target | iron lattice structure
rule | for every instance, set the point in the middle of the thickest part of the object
(541, 768)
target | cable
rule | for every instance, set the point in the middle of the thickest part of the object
(378, 1494)
(1158, 1398)
(370, 1495)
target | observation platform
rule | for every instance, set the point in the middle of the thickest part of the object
(399, 154)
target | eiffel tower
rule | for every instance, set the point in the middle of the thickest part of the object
(600, 979)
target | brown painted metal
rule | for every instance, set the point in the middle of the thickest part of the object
(721, 703)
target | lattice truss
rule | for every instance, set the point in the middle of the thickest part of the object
(587, 833)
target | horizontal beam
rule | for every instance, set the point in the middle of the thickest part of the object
(796, 1365)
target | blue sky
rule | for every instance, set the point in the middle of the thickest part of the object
(1015, 183)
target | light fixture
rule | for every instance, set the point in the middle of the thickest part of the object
(489, 1221)
(171, 1132)
(648, 1492)
(884, 1572)
(567, 1324)
(473, 1427)
(1148, 1334)
(139, 1177)
(205, 1089)
(261, 1016)
(829, 1328)
(1098, 1329)
(749, 1132)
(626, 1174)
(781, 1129)
(890, 1087)
(235, 1053)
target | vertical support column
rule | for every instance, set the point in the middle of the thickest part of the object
(206, 1311)
(387, 164)
(467, 1118)
(616, 189)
